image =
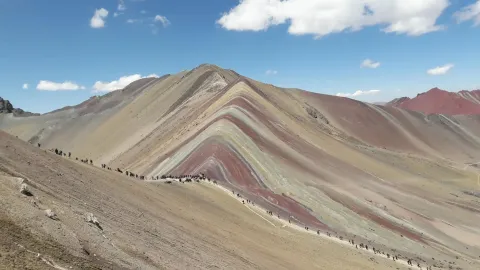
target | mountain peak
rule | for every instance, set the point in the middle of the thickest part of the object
(397, 102)
(433, 91)
(439, 101)
(6, 107)
(208, 66)
(436, 89)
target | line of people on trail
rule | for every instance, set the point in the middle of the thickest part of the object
(69, 155)
(243, 200)
(197, 177)
(89, 161)
(186, 178)
(361, 245)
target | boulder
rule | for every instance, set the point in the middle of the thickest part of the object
(24, 190)
(90, 218)
(50, 214)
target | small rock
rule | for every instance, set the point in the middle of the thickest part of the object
(90, 218)
(35, 204)
(49, 213)
(24, 190)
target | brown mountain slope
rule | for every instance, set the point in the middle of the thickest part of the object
(382, 174)
(143, 225)
(437, 101)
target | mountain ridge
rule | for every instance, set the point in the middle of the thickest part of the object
(316, 159)
(438, 101)
(7, 108)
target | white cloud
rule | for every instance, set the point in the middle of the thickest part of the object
(121, 5)
(135, 21)
(323, 17)
(143, 11)
(441, 70)
(116, 14)
(54, 86)
(359, 93)
(165, 22)
(271, 72)
(471, 12)
(25, 86)
(120, 83)
(98, 19)
(367, 63)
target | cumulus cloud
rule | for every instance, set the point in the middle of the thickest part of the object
(471, 12)
(159, 18)
(25, 86)
(99, 17)
(271, 72)
(121, 83)
(54, 86)
(323, 17)
(367, 63)
(441, 70)
(358, 93)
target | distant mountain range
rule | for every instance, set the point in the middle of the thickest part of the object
(434, 101)
(7, 107)
(438, 101)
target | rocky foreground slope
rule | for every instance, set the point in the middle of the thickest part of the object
(397, 179)
(142, 225)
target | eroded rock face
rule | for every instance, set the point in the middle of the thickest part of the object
(316, 114)
(5, 106)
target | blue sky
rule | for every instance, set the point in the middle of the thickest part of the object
(316, 45)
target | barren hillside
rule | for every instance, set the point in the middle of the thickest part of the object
(143, 225)
(437, 101)
(396, 179)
